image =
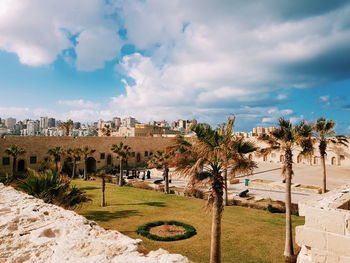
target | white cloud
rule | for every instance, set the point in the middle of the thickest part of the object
(79, 103)
(324, 98)
(38, 31)
(24, 112)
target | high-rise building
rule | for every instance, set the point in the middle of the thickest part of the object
(10, 123)
(116, 122)
(128, 122)
(52, 123)
(77, 125)
(44, 123)
(32, 128)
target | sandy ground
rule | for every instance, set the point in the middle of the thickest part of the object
(35, 232)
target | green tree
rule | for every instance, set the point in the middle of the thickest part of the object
(67, 127)
(205, 158)
(14, 151)
(86, 152)
(326, 134)
(75, 154)
(286, 138)
(56, 154)
(123, 151)
(106, 130)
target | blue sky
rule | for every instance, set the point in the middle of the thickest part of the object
(94, 59)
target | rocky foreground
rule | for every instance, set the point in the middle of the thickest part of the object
(33, 231)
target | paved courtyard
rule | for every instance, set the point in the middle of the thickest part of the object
(303, 174)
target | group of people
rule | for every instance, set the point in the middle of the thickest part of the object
(135, 173)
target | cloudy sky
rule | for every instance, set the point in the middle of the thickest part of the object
(157, 59)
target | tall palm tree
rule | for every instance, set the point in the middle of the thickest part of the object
(241, 147)
(326, 134)
(205, 158)
(56, 153)
(286, 138)
(161, 160)
(75, 154)
(14, 151)
(86, 152)
(123, 151)
(106, 130)
(67, 127)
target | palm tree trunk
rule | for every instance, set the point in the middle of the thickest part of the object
(74, 166)
(166, 175)
(121, 172)
(56, 164)
(103, 203)
(226, 193)
(14, 166)
(85, 168)
(288, 248)
(215, 246)
(324, 173)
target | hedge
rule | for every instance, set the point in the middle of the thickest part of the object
(144, 231)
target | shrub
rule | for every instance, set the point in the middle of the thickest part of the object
(144, 231)
(53, 189)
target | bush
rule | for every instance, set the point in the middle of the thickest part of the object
(53, 189)
(144, 231)
(6, 179)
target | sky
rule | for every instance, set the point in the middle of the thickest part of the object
(196, 59)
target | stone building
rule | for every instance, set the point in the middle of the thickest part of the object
(37, 147)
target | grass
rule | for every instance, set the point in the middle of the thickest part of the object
(248, 235)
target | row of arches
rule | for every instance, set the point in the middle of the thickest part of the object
(314, 160)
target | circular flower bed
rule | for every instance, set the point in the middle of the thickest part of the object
(174, 228)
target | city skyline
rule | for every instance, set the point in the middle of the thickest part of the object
(158, 61)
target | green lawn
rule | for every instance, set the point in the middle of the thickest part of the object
(248, 235)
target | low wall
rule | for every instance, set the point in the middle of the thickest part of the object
(325, 237)
(32, 231)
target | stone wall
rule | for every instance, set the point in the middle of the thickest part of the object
(336, 155)
(325, 237)
(141, 147)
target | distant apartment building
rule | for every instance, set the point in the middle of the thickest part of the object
(145, 130)
(116, 122)
(129, 122)
(183, 125)
(51, 123)
(44, 123)
(32, 128)
(10, 123)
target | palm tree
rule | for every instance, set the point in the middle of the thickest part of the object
(205, 158)
(67, 127)
(75, 154)
(326, 134)
(102, 175)
(161, 160)
(86, 152)
(241, 147)
(14, 151)
(123, 151)
(56, 153)
(286, 138)
(106, 130)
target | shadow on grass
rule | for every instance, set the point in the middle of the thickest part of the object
(106, 215)
(157, 204)
(86, 188)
